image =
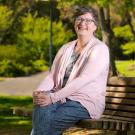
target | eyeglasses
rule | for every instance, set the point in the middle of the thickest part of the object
(87, 21)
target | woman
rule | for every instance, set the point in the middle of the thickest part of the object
(75, 87)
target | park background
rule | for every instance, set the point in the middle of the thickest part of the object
(25, 47)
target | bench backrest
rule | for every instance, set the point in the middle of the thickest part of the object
(120, 102)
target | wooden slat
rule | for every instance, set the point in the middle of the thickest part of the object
(123, 81)
(119, 94)
(106, 124)
(90, 124)
(120, 101)
(121, 89)
(118, 118)
(119, 113)
(120, 107)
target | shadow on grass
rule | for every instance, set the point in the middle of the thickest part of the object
(15, 125)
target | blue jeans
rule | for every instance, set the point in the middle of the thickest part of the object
(55, 118)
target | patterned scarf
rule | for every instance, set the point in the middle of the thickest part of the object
(80, 63)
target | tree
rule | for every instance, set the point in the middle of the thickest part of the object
(125, 29)
(128, 6)
(5, 20)
(33, 39)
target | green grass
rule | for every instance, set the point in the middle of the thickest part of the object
(126, 68)
(14, 125)
(11, 124)
(9, 102)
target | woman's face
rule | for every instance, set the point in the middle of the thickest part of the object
(84, 25)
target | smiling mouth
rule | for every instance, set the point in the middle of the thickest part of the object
(81, 28)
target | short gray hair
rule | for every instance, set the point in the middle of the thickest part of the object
(83, 10)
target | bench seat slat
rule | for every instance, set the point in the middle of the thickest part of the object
(121, 89)
(120, 107)
(119, 95)
(117, 118)
(107, 124)
(120, 101)
(120, 113)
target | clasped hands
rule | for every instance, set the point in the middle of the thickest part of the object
(41, 98)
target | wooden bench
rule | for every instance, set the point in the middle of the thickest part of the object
(119, 114)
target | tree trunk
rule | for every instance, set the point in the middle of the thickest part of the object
(129, 21)
(107, 35)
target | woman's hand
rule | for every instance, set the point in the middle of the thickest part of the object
(41, 98)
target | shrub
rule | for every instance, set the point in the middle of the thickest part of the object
(8, 52)
(9, 68)
(5, 20)
(34, 39)
(30, 55)
(125, 33)
(39, 65)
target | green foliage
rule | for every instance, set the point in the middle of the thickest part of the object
(76, 2)
(129, 4)
(124, 32)
(8, 52)
(30, 31)
(123, 7)
(6, 68)
(129, 48)
(39, 65)
(5, 20)
(30, 55)
(8, 56)
(34, 37)
(5, 17)
(103, 3)
(126, 68)
(9, 68)
(60, 35)
(9, 65)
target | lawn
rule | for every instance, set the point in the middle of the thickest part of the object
(7, 103)
(9, 123)
(14, 125)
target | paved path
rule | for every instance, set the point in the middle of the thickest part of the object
(26, 85)
(21, 85)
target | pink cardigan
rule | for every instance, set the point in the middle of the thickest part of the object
(87, 81)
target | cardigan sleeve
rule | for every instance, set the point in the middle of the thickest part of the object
(98, 62)
(48, 83)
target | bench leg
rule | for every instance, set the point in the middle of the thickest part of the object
(121, 133)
